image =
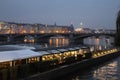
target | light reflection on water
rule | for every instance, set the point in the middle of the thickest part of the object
(58, 41)
(99, 43)
(108, 71)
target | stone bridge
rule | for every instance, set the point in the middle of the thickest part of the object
(73, 37)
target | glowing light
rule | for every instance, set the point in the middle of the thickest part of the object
(79, 29)
(32, 40)
(24, 31)
(0, 27)
(63, 31)
(42, 31)
(50, 41)
(32, 31)
(57, 43)
(81, 23)
(56, 31)
(25, 40)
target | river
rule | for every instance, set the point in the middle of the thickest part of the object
(97, 42)
(108, 71)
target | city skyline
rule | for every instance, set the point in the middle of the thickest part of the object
(92, 13)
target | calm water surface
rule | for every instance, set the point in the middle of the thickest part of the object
(99, 42)
(108, 71)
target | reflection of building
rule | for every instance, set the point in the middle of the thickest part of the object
(58, 41)
(21, 28)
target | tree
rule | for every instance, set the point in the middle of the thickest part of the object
(117, 38)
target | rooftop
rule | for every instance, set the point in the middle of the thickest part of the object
(15, 52)
(18, 54)
(13, 47)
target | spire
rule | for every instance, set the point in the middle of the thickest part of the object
(71, 24)
(55, 24)
(81, 24)
(45, 25)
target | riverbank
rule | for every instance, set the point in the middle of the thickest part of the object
(67, 69)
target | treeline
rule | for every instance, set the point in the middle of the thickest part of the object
(117, 38)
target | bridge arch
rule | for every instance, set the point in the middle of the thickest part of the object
(96, 35)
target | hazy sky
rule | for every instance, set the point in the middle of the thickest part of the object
(92, 13)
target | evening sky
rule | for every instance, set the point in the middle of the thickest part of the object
(92, 13)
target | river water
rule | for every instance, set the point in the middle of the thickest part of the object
(108, 71)
(99, 43)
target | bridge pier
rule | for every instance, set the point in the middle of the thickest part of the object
(42, 40)
(9, 39)
(71, 39)
(74, 41)
(78, 41)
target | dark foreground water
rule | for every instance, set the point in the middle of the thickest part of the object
(108, 71)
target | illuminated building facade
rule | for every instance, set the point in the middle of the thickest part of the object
(54, 28)
(22, 28)
(83, 30)
(11, 56)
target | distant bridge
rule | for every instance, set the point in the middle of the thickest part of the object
(73, 37)
(96, 35)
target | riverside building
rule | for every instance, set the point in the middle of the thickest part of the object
(23, 28)
(14, 55)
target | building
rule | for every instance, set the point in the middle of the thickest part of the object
(14, 55)
(42, 28)
(4, 28)
(106, 31)
(22, 28)
(83, 30)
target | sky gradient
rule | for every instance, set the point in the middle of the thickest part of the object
(92, 13)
